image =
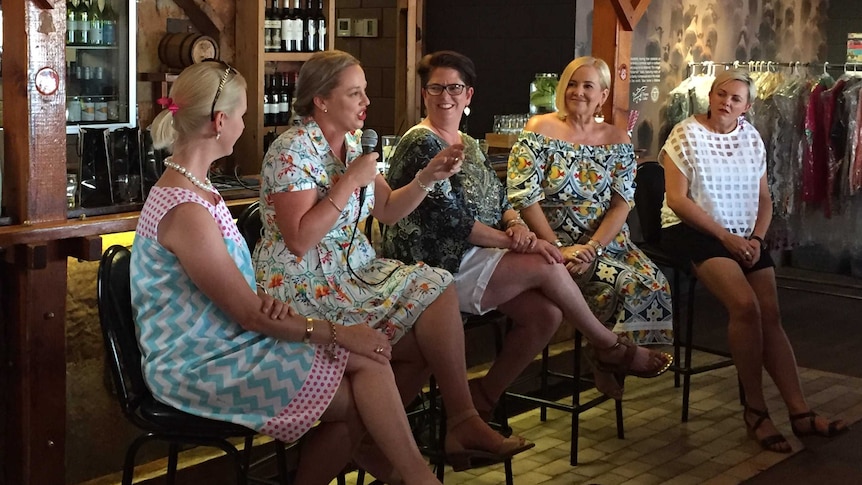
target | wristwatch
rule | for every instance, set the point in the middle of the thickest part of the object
(600, 250)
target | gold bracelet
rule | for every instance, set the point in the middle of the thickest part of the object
(515, 221)
(309, 327)
(426, 188)
(339, 209)
(332, 347)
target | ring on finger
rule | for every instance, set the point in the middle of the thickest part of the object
(378, 350)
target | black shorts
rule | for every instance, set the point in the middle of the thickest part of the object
(686, 243)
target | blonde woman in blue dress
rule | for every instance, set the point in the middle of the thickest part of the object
(572, 178)
(214, 347)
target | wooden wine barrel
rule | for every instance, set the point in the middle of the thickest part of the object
(181, 50)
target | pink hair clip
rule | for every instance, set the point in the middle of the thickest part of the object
(169, 104)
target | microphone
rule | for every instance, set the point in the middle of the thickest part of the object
(369, 143)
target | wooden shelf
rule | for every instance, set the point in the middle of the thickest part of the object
(250, 60)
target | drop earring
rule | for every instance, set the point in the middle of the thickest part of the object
(598, 116)
(218, 136)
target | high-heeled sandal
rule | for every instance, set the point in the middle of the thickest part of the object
(609, 383)
(769, 443)
(483, 403)
(460, 458)
(663, 360)
(834, 429)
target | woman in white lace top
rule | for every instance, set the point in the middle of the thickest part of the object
(716, 215)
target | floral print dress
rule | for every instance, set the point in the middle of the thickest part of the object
(340, 279)
(573, 184)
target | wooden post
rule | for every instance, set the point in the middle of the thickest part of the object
(613, 23)
(34, 275)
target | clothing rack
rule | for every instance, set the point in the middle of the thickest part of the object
(766, 66)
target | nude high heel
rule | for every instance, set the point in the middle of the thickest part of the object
(461, 458)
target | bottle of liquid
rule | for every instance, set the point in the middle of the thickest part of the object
(276, 26)
(296, 26)
(283, 100)
(83, 16)
(284, 18)
(269, 104)
(321, 27)
(109, 24)
(309, 27)
(269, 28)
(95, 16)
(71, 22)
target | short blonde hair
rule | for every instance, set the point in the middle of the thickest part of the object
(600, 66)
(724, 77)
(192, 96)
(318, 76)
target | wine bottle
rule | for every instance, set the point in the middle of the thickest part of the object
(276, 26)
(83, 23)
(95, 16)
(321, 27)
(283, 101)
(309, 27)
(284, 18)
(268, 26)
(296, 27)
(109, 24)
(71, 22)
(270, 105)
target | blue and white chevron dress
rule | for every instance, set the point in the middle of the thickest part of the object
(195, 358)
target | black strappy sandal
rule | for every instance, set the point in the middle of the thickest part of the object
(835, 427)
(770, 442)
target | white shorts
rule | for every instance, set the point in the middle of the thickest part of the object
(472, 278)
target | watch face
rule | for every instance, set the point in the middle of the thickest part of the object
(204, 48)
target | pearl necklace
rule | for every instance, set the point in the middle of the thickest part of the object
(208, 186)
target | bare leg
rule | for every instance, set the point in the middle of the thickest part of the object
(411, 373)
(535, 319)
(724, 279)
(440, 334)
(379, 407)
(555, 283)
(778, 357)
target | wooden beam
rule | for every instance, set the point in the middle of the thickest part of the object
(613, 22)
(34, 298)
(199, 19)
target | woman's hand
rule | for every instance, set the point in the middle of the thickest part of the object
(578, 253)
(445, 164)
(366, 341)
(547, 250)
(521, 238)
(363, 169)
(744, 251)
(275, 309)
(577, 268)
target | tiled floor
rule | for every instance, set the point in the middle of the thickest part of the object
(712, 448)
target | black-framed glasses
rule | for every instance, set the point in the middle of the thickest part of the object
(228, 69)
(437, 89)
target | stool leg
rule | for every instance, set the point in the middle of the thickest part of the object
(173, 451)
(689, 342)
(675, 304)
(543, 384)
(621, 434)
(576, 398)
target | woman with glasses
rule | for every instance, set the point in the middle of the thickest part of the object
(572, 177)
(467, 226)
(317, 186)
(215, 347)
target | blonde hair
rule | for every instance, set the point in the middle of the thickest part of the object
(191, 99)
(601, 68)
(724, 77)
(318, 76)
